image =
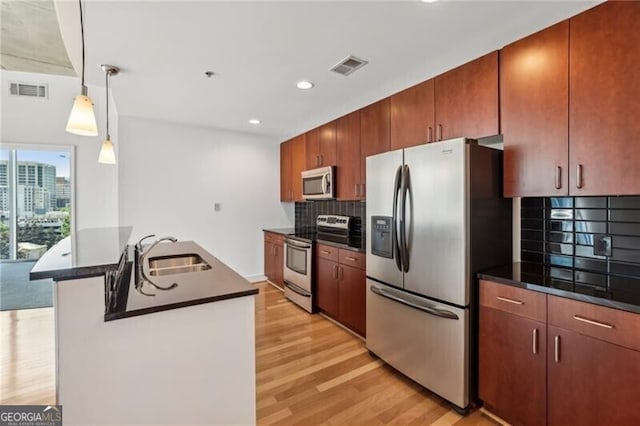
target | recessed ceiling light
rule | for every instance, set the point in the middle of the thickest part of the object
(428, 1)
(304, 85)
(255, 121)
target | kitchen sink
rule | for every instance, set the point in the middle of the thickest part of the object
(177, 264)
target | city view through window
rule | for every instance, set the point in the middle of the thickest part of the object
(35, 200)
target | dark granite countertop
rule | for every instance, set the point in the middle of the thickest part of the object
(93, 252)
(535, 277)
(359, 249)
(220, 282)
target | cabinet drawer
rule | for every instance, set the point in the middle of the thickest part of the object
(327, 252)
(352, 258)
(274, 238)
(608, 324)
(518, 301)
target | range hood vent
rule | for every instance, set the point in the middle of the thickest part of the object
(28, 90)
(348, 65)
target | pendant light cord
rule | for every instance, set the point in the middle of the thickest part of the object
(82, 37)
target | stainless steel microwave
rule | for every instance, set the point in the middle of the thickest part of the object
(317, 184)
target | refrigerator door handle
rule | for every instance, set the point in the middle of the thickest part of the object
(396, 190)
(443, 313)
(406, 190)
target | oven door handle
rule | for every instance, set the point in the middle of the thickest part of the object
(297, 244)
(297, 289)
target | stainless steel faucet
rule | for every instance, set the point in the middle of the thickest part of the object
(140, 257)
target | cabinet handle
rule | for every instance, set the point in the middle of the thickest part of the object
(579, 176)
(353, 259)
(439, 132)
(321, 159)
(317, 161)
(325, 252)
(430, 134)
(558, 177)
(592, 322)
(506, 299)
(341, 274)
(335, 271)
(535, 341)
(556, 349)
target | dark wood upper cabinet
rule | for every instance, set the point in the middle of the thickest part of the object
(348, 157)
(297, 166)
(412, 116)
(604, 100)
(292, 163)
(285, 171)
(312, 149)
(466, 100)
(534, 105)
(374, 135)
(321, 146)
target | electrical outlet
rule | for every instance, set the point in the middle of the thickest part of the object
(602, 245)
(217, 207)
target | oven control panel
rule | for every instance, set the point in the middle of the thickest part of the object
(333, 221)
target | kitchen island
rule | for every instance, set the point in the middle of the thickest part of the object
(126, 358)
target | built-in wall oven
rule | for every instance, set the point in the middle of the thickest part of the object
(298, 272)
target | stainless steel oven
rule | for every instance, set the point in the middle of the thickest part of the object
(298, 272)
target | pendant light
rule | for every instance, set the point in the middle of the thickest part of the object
(82, 120)
(107, 154)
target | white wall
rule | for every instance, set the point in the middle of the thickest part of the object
(171, 175)
(43, 122)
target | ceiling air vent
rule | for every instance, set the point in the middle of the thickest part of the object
(348, 65)
(28, 90)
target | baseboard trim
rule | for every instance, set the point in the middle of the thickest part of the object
(255, 278)
(494, 417)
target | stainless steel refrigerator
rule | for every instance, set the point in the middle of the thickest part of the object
(436, 217)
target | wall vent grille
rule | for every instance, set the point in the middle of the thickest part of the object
(348, 65)
(29, 90)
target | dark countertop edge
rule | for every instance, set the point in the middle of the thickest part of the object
(341, 246)
(281, 231)
(186, 303)
(562, 293)
(74, 273)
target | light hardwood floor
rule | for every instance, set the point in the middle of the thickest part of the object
(309, 371)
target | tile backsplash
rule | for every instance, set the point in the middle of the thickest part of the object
(307, 212)
(588, 244)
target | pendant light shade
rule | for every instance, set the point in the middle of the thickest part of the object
(82, 120)
(107, 153)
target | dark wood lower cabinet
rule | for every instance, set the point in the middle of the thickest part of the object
(591, 382)
(274, 258)
(512, 367)
(327, 286)
(582, 367)
(352, 298)
(340, 288)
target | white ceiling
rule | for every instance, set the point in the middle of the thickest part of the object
(259, 50)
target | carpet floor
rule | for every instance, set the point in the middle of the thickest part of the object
(17, 292)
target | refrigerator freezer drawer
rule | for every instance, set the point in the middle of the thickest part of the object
(420, 338)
